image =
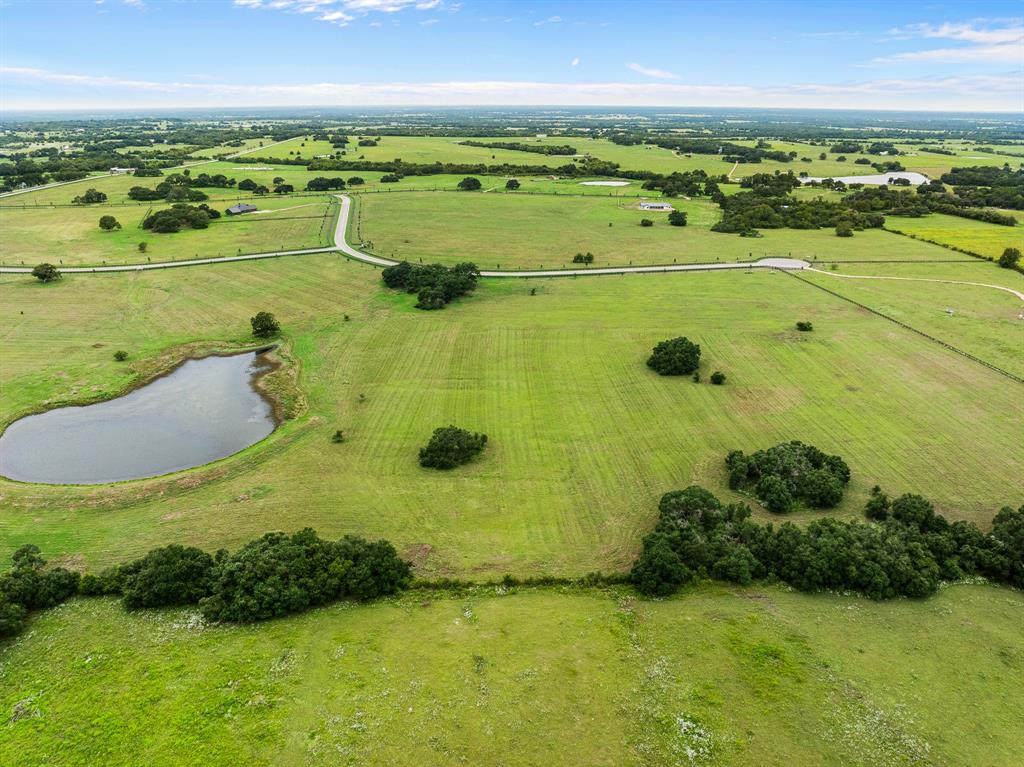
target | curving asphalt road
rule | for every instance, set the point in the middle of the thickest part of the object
(342, 246)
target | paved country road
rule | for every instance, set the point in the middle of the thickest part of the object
(340, 245)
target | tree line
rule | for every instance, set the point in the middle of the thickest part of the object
(907, 551)
(518, 146)
(275, 575)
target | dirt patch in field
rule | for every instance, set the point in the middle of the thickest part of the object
(417, 554)
(73, 562)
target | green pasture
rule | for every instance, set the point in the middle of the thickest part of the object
(523, 231)
(982, 320)
(584, 438)
(977, 236)
(715, 676)
(71, 235)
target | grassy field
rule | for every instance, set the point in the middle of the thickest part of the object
(422, 149)
(521, 231)
(584, 438)
(977, 236)
(984, 321)
(71, 235)
(733, 677)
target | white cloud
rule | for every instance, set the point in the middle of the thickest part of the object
(1000, 44)
(343, 12)
(659, 74)
(968, 93)
(548, 20)
(575, 62)
(428, 23)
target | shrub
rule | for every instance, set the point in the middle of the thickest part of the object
(774, 493)
(470, 184)
(45, 272)
(646, 222)
(844, 230)
(677, 218)
(390, 178)
(659, 571)
(675, 357)
(877, 507)
(512, 184)
(451, 446)
(172, 575)
(1010, 258)
(264, 325)
(109, 223)
(804, 326)
(789, 472)
(120, 355)
(28, 586)
(583, 258)
(356, 181)
(718, 378)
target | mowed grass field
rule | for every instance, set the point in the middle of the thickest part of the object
(533, 231)
(715, 676)
(984, 321)
(976, 236)
(584, 438)
(71, 235)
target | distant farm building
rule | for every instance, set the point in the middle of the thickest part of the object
(656, 206)
(122, 170)
(240, 208)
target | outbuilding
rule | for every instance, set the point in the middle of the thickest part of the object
(664, 206)
(240, 208)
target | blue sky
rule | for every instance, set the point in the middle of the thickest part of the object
(179, 53)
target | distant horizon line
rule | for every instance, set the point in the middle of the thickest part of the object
(491, 107)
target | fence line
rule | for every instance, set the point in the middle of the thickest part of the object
(911, 328)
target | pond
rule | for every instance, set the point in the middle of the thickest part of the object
(916, 179)
(203, 410)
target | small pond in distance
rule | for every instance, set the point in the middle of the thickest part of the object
(203, 410)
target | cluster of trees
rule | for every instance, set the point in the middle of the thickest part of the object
(89, 197)
(583, 258)
(109, 223)
(169, 191)
(787, 473)
(29, 586)
(450, 446)
(746, 212)
(675, 357)
(996, 187)
(846, 147)
(436, 285)
(179, 216)
(930, 198)
(728, 151)
(323, 184)
(907, 553)
(470, 184)
(689, 183)
(275, 575)
(1010, 258)
(518, 146)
